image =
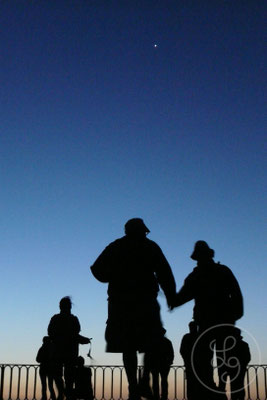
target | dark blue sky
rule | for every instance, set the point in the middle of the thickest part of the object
(98, 125)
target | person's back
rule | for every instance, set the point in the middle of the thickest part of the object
(63, 330)
(133, 264)
(214, 287)
(134, 267)
(217, 295)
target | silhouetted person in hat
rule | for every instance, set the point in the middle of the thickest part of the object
(157, 362)
(83, 381)
(234, 360)
(218, 305)
(44, 358)
(64, 331)
(188, 351)
(134, 267)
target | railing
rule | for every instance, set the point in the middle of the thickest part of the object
(22, 382)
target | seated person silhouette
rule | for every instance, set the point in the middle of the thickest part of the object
(188, 351)
(233, 362)
(83, 381)
(157, 361)
(44, 358)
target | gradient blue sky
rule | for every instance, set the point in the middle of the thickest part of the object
(98, 126)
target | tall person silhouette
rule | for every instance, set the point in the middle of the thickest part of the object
(218, 305)
(63, 330)
(134, 267)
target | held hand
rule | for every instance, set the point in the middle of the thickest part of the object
(171, 304)
(84, 340)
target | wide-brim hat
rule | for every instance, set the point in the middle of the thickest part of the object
(135, 225)
(202, 249)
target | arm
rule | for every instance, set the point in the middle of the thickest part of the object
(51, 327)
(185, 294)
(101, 267)
(165, 277)
(182, 297)
(39, 357)
(236, 296)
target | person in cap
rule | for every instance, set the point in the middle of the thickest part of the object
(134, 268)
(218, 305)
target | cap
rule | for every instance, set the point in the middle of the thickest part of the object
(135, 225)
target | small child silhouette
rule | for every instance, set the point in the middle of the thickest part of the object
(235, 364)
(157, 361)
(44, 358)
(83, 381)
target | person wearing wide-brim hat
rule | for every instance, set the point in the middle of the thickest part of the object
(213, 286)
(218, 303)
(134, 268)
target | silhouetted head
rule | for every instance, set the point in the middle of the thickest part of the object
(46, 339)
(65, 304)
(80, 361)
(136, 227)
(192, 327)
(202, 251)
(236, 332)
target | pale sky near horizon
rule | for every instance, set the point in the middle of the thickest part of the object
(98, 126)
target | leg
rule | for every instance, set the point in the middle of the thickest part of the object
(57, 376)
(237, 386)
(51, 387)
(144, 385)
(130, 365)
(43, 383)
(69, 371)
(155, 386)
(164, 383)
(202, 367)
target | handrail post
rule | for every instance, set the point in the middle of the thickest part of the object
(2, 377)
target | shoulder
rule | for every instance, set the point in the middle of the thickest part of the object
(75, 319)
(55, 317)
(222, 266)
(195, 273)
(152, 245)
(113, 247)
(223, 269)
(116, 244)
